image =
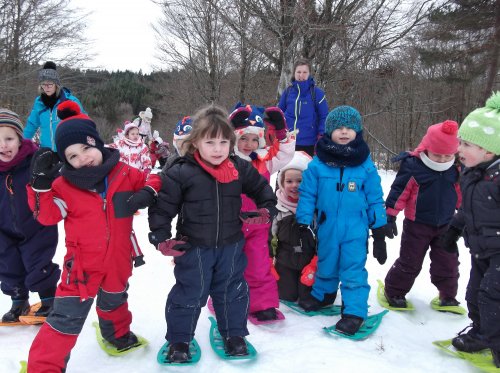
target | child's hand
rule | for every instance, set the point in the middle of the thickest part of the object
(45, 166)
(449, 240)
(144, 197)
(309, 272)
(174, 247)
(391, 229)
(275, 122)
(379, 246)
(260, 216)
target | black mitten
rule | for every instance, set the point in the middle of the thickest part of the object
(379, 246)
(45, 166)
(143, 198)
(391, 229)
(449, 239)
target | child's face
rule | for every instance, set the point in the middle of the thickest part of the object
(343, 135)
(49, 88)
(440, 158)
(248, 143)
(291, 182)
(133, 134)
(301, 73)
(82, 155)
(471, 154)
(9, 144)
(213, 150)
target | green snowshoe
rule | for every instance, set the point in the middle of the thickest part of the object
(482, 360)
(436, 305)
(384, 303)
(112, 350)
(218, 344)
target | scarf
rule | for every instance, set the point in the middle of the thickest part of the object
(26, 149)
(92, 178)
(132, 143)
(223, 173)
(338, 155)
(285, 203)
(436, 166)
(49, 101)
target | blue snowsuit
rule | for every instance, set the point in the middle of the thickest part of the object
(46, 119)
(348, 201)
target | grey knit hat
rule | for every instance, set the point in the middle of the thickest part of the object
(49, 73)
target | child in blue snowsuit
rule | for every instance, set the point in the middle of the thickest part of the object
(26, 246)
(342, 184)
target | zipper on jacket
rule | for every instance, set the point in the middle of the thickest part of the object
(340, 185)
(297, 113)
(218, 213)
(9, 184)
(52, 140)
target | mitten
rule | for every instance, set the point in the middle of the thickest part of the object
(309, 271)
(238, 117)
(158, 236)
(273, 269)
(45, 166)
(449, 239)
(391, 229)
(275, 122)
(306, 238)
(260, 216)
(174, 247)
(379, 246)
(143, 198)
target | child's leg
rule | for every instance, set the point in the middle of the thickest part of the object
(444, 268)
(488, 300)
(12, 271)
(415, 240)
(288, 283)
(112, 310)
(229, 291)
(326, 280)
(263, 286)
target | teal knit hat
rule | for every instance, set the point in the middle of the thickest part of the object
(343, 116)
(482, 126)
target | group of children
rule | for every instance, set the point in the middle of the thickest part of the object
(217, 185)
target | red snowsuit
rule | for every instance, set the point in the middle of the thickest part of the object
(98, 262)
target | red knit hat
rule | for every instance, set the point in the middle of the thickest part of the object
(441, 138)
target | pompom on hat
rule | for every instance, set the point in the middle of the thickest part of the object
(482, 126)
(49, 73)
(183, 128)
(343, 116)
(147, 114)
(75, 128)
(440, 138)
(10, 119)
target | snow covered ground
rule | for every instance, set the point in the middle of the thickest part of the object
(298, 344)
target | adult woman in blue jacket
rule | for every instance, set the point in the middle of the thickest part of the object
(43, 115)
(305, 107)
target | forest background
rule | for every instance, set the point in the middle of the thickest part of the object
(404, 64)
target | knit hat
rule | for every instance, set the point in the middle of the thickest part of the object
(49, 73)
(183, 128)
(254, 124)
(128, 127)
(147, 114)
(482, 126)
(441, 138)
(343, 116)
(299, 162)
(10, 119)
(75, 128)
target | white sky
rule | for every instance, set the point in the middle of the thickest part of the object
(121, 33)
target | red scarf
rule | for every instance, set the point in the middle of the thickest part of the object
(223, 173)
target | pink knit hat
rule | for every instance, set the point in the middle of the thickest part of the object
(441, 138)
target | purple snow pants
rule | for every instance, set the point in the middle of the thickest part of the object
(415, 240)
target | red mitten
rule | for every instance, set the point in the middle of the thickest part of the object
(273, 269)
(260, 216)
(309, 271)
(174, 247)
(238, 117)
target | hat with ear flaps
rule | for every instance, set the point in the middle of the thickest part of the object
(75, 128)
(248, 119)
(49, 73)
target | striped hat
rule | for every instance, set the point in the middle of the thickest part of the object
(10, 119)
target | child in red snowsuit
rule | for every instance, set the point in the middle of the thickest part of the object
(96, 196)
(248, 122)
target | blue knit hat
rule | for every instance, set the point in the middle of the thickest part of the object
(343, 116)
(183, 128)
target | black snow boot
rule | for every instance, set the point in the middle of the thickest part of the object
(349, 324)
(47, 299)
(496, 357)
(266, 315)
(470, 341)
(125, 342)
(448, 302)
(310, 303)
(19, 308)
(179, 352)
(398, 301)
(235, 346)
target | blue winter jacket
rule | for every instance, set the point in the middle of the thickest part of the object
(302, 113)
(340, 192)
(46, 119)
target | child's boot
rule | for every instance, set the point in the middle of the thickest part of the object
(20, 307)
(310, 303)
(125, 342)
(470, 341)
(47, 299)
(448, 302)
(266, 315)
(178, 352)
(349, 324)
(397, 301)
(235, 346)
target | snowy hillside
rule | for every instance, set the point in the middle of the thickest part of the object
(298, 344)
